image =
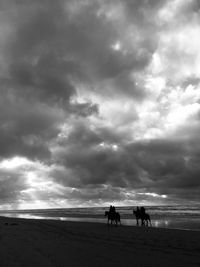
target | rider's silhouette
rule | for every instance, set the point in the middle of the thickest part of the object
(142, 210)
(112, 209)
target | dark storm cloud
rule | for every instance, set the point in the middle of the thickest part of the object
(84, 36)
(92, 161)
(166, 167)
(26, 126)
(171, 167)
(48, 48)
(44, 81)
(55, 50)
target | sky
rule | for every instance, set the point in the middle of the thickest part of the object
(99, 103)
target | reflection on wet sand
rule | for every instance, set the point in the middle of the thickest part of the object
(161, 223)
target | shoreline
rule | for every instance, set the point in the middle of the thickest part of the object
(73, 220)
(156, 223)
(52, 243)
(185, 217)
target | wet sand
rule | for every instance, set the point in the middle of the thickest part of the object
(25, 242)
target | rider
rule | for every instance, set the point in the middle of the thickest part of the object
(137, 213)
(142, 210)
(112, 209)
(138, 210)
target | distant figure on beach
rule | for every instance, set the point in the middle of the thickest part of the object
(113, 216)
(140, 214)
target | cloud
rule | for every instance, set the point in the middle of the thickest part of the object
(11, 186)
(160, 167)
(27, 126)
(102, 97)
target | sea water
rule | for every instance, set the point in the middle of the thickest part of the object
(180, 217)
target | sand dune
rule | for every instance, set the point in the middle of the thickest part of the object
(57, 243)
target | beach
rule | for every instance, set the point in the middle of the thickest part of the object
(176, 216)
(28, 242)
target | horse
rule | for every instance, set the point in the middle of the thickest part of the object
(144, 217)
(113, 217)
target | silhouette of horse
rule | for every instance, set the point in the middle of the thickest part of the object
(144, 217)
(113, 217)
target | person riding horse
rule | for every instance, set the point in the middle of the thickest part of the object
(140, 214)
(113, 216)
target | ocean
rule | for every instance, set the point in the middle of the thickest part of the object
(178, 217)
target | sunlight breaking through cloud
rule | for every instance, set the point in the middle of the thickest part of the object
(101, 104)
